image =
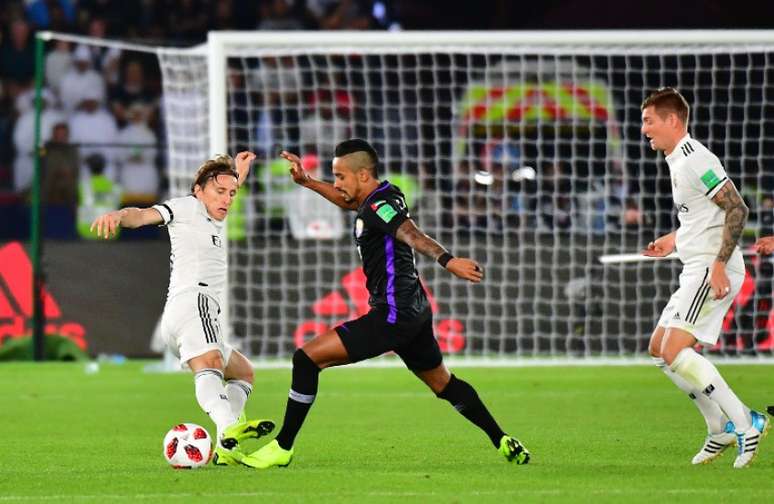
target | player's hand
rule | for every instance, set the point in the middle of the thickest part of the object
(661, 247)
(107, 225)
(300, 176)
(467, 269)
(242, 162)
(719, 280)
(765, 245)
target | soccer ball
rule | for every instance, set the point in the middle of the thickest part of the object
(187, 446)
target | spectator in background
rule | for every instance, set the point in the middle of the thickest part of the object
(57, 15)
(24, 136)
(60, 168)
(81, 81)
(132, 89)
(59, 61)
(139, 177)
(187, 21)
(766, 215)
(341, 14)
(105, 60)
(17, 59)
(276, 85)
(555, 204)
(97, 194)
(95, 127)
(326, 124)
(280, 15)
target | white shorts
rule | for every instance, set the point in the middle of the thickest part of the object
(693, 307)
(190, 327)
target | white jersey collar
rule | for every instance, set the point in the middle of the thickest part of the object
(203, 211)
(671, 158)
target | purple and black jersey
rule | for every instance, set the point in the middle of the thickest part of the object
(392, 279)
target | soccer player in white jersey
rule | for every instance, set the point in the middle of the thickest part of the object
(765, 246)
(712, 216)
(190, 326)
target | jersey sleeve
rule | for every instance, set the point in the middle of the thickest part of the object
(176, 210)
(385, 214)
(708, 175)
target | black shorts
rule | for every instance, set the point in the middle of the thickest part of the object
(411, 338)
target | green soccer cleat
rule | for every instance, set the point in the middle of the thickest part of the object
(513, 450)
(238, 432)
(270, 455)
(224, 457)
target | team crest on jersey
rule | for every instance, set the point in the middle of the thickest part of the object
(709, 179)
(216, 241)
(358, 227)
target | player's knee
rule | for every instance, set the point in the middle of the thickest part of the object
(669, 355)
(654, 350)
(457, 391)
(211, 360)
(656, 339)
(302, 361)
(247, 374)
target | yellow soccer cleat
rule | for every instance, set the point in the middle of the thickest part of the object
(513, 450)
(224, 457)
(238, 432)
(270, 455)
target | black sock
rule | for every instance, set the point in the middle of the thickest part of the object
(465, 400)
(303, 389)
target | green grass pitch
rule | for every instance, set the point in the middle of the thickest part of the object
(601, 434)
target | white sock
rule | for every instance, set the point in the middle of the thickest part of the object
(703, 375)
(713, 415)
(213, 399)
(238, 391)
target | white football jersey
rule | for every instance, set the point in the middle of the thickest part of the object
(697, 176)
(197, 258)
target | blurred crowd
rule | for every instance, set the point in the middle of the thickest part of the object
(101, 106)
(102, 119)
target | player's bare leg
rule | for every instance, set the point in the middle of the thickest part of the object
(323, 351)
(720, 430)
(463, 397)
(750, 426)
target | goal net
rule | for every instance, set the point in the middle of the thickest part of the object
(521, 150)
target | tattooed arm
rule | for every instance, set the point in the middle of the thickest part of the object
(464, 268)
(728, 199)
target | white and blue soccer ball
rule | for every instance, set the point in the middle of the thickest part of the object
(187, 446)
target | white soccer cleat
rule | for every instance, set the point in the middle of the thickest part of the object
(749, 441)
(715, 445)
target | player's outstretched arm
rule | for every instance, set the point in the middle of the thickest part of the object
(130, 217)
(765, 245)
(731, 202)
(661, 246)
(461, 267)
(242, 162)
(324, 189)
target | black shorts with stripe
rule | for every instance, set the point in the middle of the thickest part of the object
(411, 338)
